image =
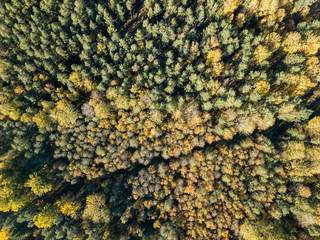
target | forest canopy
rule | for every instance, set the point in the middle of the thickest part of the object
(159, 119)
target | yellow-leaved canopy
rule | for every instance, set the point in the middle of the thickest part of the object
(5, 234)
(81, 83)
(214, 56)
(39, 184)
(65, 113)
(45, 218)
(96, 209)
(67, 206)
(261, 53)
(13, 195)
(313, 127)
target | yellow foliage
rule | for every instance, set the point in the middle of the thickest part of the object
(298, 85)
(199, 156)
(268, 6)
(302, 85)
(13, 196)
(177, 114)
(18, 90)
(104, 124)
(122, 102)
(76, 79)
(313, 153)
(62, 104)
(281, 13)
(308, 165)
(39, 184)
(5, 160)
(45, 218)
(214, 56)
(190, 189)
(312, 44)
(60, 93)
(101, 48)
(273, 41)
(112, 93)
(294, 150)
(313, 127)
(95, 209)
(217, 69)
(156, 116)
(241, 19)
(304, 191)
(43, 77)
(292, 43)
(65, 113)
(253, 6)
(9, 155)
(134, 88)
(262, 230)
(41, 119)
(101, 109)
(284, 3)
(3, 67)
(11, 110)
(312, 66)
(80, 82)
(304, 13)
(5, 234)
(157, 224)
(88, 85)
(67, 206)
(195, 121)
(74, 96)
(47, 105)
(229, 6)
(260, 54)
(265, 122)
(14, 204)
(26, 117)
(262, 87)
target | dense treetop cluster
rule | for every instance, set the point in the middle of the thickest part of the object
(159, 119)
